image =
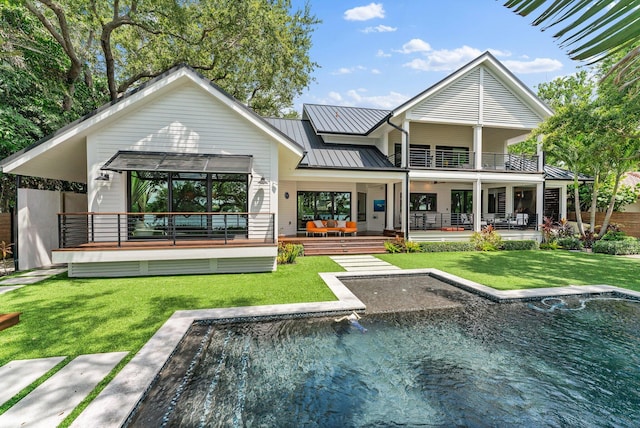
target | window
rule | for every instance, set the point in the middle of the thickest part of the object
(189, 193)
(323, 206)
(362, 206)
(424, 202)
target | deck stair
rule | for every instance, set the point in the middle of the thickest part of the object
(315, 246)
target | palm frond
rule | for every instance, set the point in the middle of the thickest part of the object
(591, 29)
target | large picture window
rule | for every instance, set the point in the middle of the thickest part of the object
(323, 206)
(190, 193)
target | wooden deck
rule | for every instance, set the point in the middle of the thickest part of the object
(168, 244)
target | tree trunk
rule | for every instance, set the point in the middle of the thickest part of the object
(612, 202)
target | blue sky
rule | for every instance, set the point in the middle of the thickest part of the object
(379, 54)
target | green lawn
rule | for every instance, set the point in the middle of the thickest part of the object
(71, 317)
(508, 270)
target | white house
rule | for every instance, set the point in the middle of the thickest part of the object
(182, 178)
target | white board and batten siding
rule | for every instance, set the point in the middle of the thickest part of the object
(476, 98)
(186, 119)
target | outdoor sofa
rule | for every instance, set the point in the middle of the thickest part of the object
(323, 227)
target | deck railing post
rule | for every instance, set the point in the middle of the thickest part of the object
(119, 238)
(60, 238)
(225, 228)
(93, 236)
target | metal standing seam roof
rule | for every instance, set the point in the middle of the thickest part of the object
(322, 155)
(556, 173)
(328, 119)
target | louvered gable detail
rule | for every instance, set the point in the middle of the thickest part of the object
(458, 101)
(503, 107)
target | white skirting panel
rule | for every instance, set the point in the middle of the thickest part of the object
(125, 263)
(171, 267)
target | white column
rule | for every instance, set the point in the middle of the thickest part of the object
(390, 207)
(477, 146)
(477, 209)
(508, 207)
(563, 202)
(540, 202)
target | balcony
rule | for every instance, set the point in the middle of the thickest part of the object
(425, 158)
(460, 222)
(105, 230)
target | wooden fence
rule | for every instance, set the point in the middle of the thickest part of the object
(629, 222)
(5, 227)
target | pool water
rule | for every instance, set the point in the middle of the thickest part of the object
(475, 365)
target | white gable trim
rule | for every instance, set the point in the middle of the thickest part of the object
(489, 61)
(180, 76)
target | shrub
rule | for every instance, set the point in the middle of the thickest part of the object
(443, 247)
(570, 243)
(627, 246)
(549, 245)
(392, 247)
(564, 229)
(399, 245)
(487, 240)
(412, 247)
(287, 253)
(588, 239)
(526, 244)
(614, 235)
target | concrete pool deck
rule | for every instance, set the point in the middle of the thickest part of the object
(113, 406)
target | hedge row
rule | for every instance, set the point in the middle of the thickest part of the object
(624, 247)
(439, 247)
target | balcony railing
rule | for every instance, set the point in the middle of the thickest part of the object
(77, 229)
(464, 221)
(456, 159)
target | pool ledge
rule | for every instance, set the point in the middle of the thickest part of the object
(113, 406)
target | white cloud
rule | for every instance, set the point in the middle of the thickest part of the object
(538, 65)
(415, 45)
(348, 70)
(375, 71)
(335, 97)
(365, 13)
(358, 98)
(498, 53)
(380, 29)
(444, 59)
(382, 54)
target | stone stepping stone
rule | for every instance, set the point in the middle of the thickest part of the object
(371, 268)
(7, 288)
(44, 272)
(50, 403)
(17, 375)
(22, 280)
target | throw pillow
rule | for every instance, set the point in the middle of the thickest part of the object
(342, 223)
(318, 223)
(331, 223)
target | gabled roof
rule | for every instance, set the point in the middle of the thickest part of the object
(318, 154)
(488, 60)
(82, 126)
(327, 119)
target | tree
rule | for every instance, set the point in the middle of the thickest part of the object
(255, 50)
(592, 29)
(595, 130)
(567, 134)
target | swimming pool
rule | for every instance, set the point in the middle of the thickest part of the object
(468, 365)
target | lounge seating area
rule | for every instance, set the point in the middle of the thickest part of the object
(324, 227)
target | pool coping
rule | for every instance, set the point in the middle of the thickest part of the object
(115, 403)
